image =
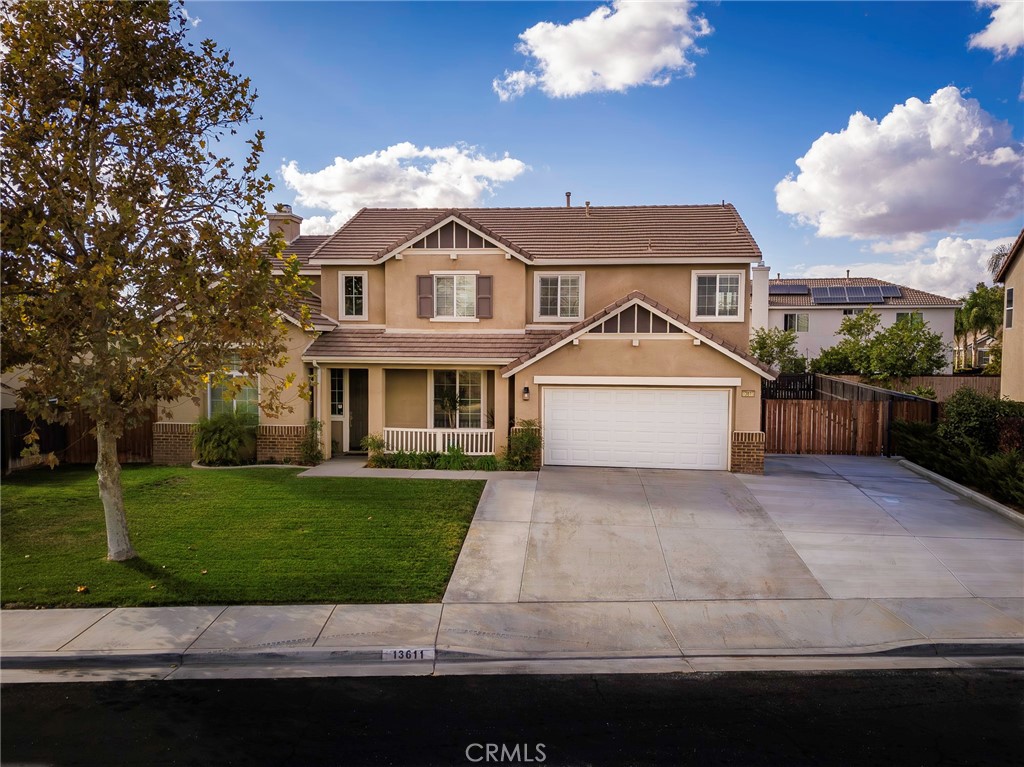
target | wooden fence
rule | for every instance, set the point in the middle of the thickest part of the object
(789, 386)
(945, 385)
(134, 446)
(836, 427)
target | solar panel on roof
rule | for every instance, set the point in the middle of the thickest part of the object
(787, 290)
(837, 292)
(818, 293)
(854, 292)
(891, 291)
(873, 293)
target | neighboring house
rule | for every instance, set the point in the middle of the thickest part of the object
(1011, 275)
(978, 352)
(623, 330)
(815, 308)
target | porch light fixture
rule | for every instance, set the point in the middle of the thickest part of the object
(526, 394)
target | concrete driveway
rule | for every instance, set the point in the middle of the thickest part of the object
(814, 527)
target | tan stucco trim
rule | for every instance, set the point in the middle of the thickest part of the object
(662, 381)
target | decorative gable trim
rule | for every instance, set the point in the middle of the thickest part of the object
(635, 299)
(497, 241)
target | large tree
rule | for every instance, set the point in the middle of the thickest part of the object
(132, 243)
(980, 314)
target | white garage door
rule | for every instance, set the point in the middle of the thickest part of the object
(643, 428)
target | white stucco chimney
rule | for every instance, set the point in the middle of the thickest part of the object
(282, 220)
(759, 295)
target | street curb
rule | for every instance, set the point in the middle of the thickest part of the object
(371, 656)
(972, 495)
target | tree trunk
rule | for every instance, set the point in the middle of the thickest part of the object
(108, 470)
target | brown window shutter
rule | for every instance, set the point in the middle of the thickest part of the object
(424, 296)
(484, 297)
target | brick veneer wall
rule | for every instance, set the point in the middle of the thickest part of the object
(748, 452)
(172, 443)
(279, 444)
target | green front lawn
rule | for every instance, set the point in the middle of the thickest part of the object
(252, 536)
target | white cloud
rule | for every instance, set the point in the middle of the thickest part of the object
(903, 244)
(613, 49)
(402, 175)
(195, 21)
(951, 268)
(1004, 35)
(924, 167)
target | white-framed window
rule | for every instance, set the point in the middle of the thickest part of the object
(457, 399)
(717, 296)
(797, 322)
(852, 312)
(337, 392)
(245, 402)
(1008, 319)
(900, 316)
(558, 297)
(352, 296)
(455, 295)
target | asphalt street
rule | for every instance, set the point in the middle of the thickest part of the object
(880, 717)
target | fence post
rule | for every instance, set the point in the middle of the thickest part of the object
(888, 430)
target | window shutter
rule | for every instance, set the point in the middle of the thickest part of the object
(424, 296)
(484, 297)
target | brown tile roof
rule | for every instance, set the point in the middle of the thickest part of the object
(666, 231)
(302, 247)
(369, 343)
(316, 316)
(911, 296)
(612, 308)
(1015, 251)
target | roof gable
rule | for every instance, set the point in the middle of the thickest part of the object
(1015, 250)
(599, 322)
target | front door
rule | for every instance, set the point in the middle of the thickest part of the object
(358, 409)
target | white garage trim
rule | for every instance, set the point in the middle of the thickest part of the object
(636, 381)
(637, 427)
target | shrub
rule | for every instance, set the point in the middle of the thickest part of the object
(524, 445)
(832, 361)
(486, 463)
(454, 459)
(376, 458)
(1000, 475)
(226, 439)
(923, 391)
(311, 449)
(971, 418)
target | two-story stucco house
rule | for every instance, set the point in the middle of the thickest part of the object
(623, 330)
(1011, 275)
(814, 308)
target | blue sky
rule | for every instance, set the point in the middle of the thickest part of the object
(921, 199)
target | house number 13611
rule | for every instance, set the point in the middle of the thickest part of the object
(409, 653)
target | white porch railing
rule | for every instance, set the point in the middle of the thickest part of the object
(472, 441)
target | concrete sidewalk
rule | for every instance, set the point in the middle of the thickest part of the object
(341, 640)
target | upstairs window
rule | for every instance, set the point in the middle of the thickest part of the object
(559, 296)
(909, 316)
(797, 322)
(1008, 320)
(245, 401)
(352, 295)
(454, 296)
(717, 296)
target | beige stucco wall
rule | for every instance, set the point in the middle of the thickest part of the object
(508, 299)
(405, 402)
(329, 285)
(618, 357)
(1012, 381)
(185, 410)
(669, 284)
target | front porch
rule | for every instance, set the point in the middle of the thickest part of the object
(413, 408)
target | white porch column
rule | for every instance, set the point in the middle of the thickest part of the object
(759, 296)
